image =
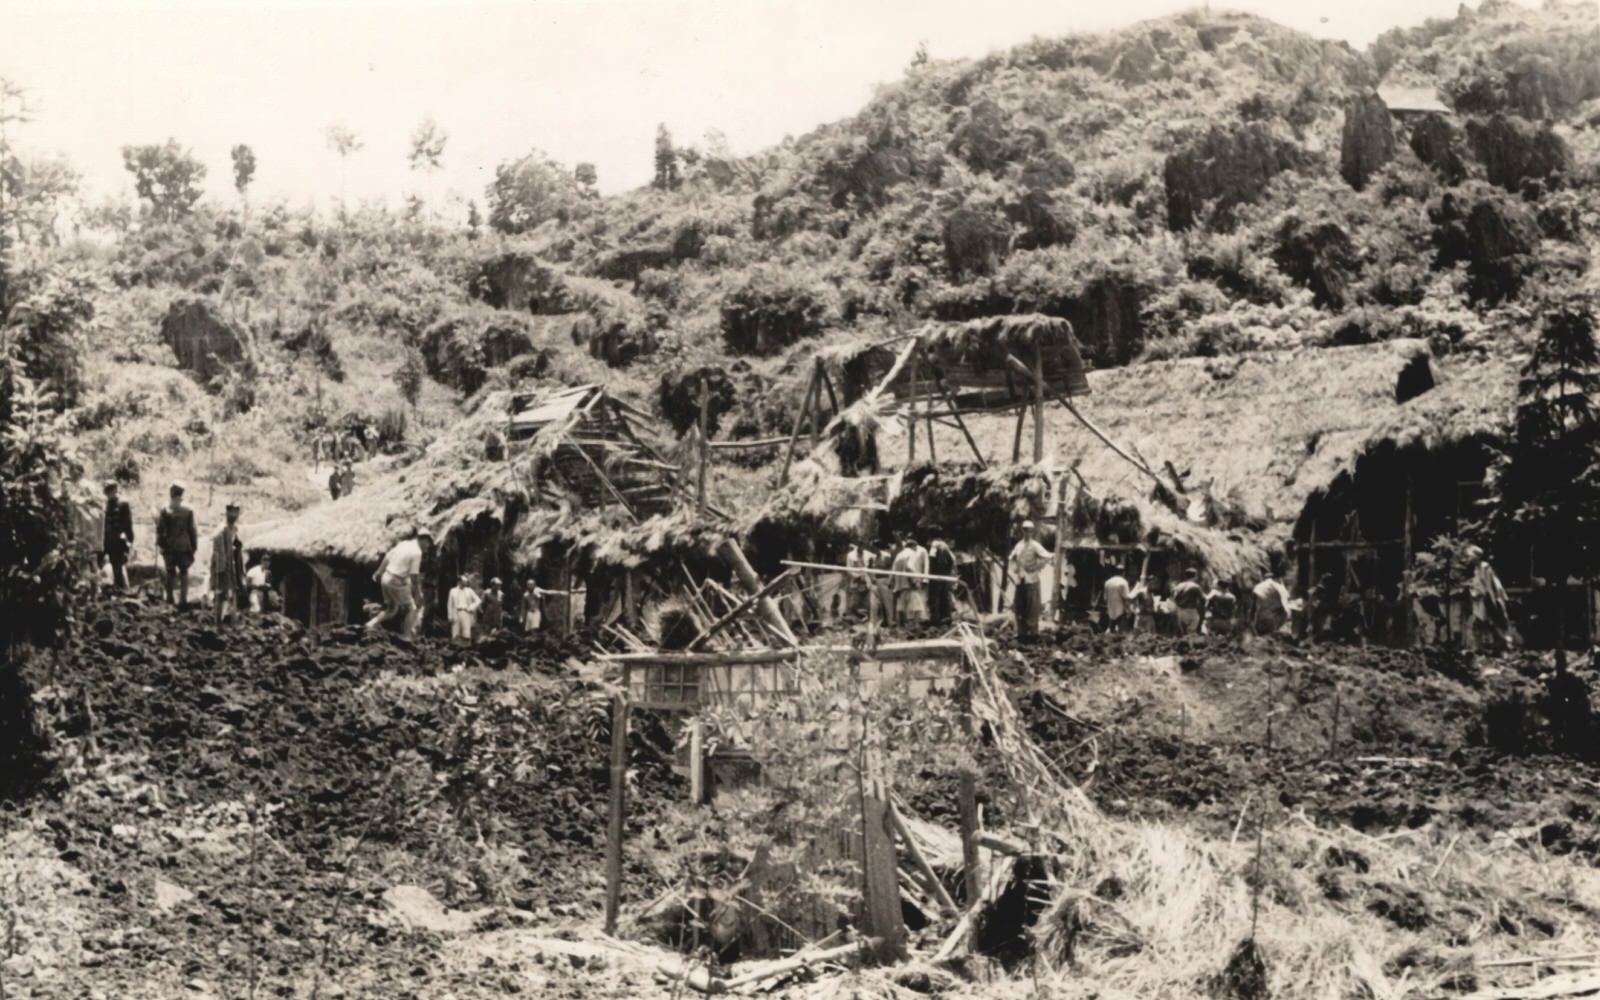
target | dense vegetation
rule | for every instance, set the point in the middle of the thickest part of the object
(1199, 184)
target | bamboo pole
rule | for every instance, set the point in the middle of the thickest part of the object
(1016, 434)
(1038, 402)
(1061, 551)
(911, 406)
(940, 893)
(871, 570)
(799, 420)
(705, 452)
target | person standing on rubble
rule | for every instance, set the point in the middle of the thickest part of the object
(1221, 608)
(227, 566)
(532, 610)
(400, 576)
(463, 606)
(118, 539)
(941, 562)
(177, 538)
(909, 605)
(1028, 559)
(1189, 603)
(1272, 605)
(1118, 601)
(494, 607)
(258, 581)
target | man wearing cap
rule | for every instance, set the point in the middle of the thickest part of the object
(177, 539)
(1028, 560)
(118, 541)
(400, 576)
(227, 566)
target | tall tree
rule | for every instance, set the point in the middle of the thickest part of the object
(427, 152)
(244, 171)
(13, 110)
(345, 143)
(667, 177)
(38, 189)
(587, 177)
(1546, 485)
(528, 191)
(167, 176)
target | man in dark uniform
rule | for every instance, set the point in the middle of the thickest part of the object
(118, 540)
(177, 538)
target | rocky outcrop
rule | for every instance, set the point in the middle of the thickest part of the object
(1514, 151)
(627, 265)
(460, 349)
(521, 282)
(1496, 237)
(1438, 143)
(1319, 256)
(1228, 167)
(1367, 142)
(770, 311)
(1105, 320)
(204, 344)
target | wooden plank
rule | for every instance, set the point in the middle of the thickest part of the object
(922, 649)
(704, 452)
(931, 877)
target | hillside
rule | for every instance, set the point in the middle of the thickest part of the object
(1195, 185)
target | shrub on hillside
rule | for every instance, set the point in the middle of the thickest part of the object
(770, 310)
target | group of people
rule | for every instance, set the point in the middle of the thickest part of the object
(903, 583)
(1192, 609)
(472, 611)
(342, 446)
(233, 586)
(342, 480)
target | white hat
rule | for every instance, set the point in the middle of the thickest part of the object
(1027, 524)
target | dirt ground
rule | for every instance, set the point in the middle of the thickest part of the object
(262, 811)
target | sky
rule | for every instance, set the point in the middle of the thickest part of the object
(582, 80)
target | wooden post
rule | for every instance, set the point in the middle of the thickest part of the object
(933, 449)
(697, 763)
(1061, 551)
(1038, 403)
(967, 794)
(1016, 434)
(1312, 585)
(619, 800)
(880, 868)
(799, 420)
(911, 420)
(1407, 627)
(955, 411)
(705, 447)
(816, 404)
(630, 600)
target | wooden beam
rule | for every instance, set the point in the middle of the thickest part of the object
(955, 412)
(734, 556)
(1038, 402)
(799, 419)
(816, 407)
(880, 869)
(738, 611)
(1016, 435)
(869, 570)
(911, 406)
(1061, 551)
(619, 800)
(894, 652)
(940, 893)
(755, 443)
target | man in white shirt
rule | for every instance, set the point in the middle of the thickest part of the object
(463, 608)
(909, 604)
(1028, 560)
(1118, 610)
(400, 576)
(258, 581)
(1272, 605)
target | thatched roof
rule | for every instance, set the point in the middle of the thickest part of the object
(972, 359)
(1269, 429)
(451, 484)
